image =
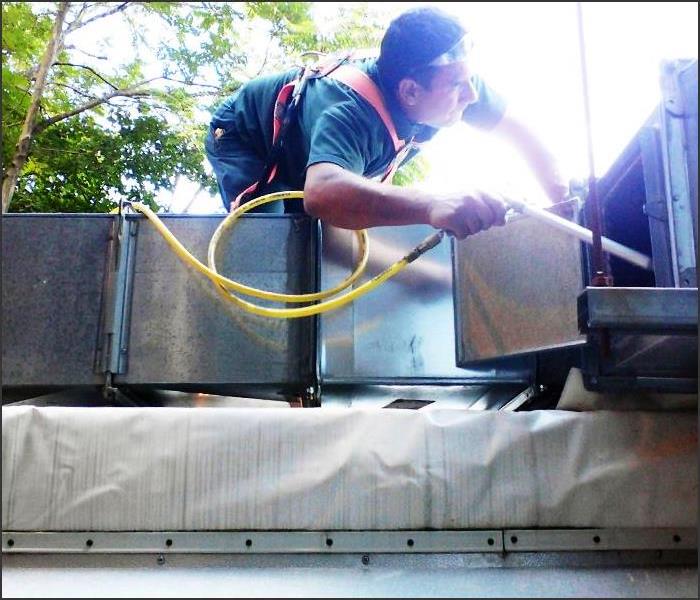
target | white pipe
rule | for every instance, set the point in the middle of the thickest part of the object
(583, 234)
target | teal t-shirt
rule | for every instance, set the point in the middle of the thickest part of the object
(335, 123)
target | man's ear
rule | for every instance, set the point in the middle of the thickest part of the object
(410, 91)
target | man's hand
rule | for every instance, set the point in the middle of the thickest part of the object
(467, 214)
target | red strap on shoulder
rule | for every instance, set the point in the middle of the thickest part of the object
(280, 106)
(363, 85)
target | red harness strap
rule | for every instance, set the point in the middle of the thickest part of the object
(356, 80)
(278, 116)
(363, 85)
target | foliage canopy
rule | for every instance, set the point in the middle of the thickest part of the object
(124, 110)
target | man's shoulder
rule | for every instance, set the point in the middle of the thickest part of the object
(328, 90)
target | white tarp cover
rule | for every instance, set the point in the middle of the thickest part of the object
(151, 469)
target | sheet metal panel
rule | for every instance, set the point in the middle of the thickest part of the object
(688, 84)
(655, 207)
(421, 397)
(52, 274)
(679, 131)
(651, 337)
(642, 310)
(515, 291)
(183, 335)
(256, 542)
(403, 331)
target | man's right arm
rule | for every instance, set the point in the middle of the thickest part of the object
(350, 201)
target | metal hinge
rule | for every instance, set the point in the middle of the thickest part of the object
(112, 347)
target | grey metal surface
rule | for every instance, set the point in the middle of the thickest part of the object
(403, 331)
(520, 400)
(253, 542)
(52, 274)
(96, 396)
(515, 291)
(184, 336)
(642, 310)
(655, 206)
(660, 356)
(339, 542)
(628, 361)
(476, 397)
(640, 338)
(544, 540)
(72, 396)
(114, 341)
(688, 85)
(677, 135)
(558, 575)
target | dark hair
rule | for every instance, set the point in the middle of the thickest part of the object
(414, 39)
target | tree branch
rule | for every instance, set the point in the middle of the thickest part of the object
(72, 47)
(63, 64)
(83, 8)
(77, 25)
(19, 158)
(206, 94)
(8, 125)
(126, 92)
(267, 56)
(62, 150)
(76, 90)
(216, 87)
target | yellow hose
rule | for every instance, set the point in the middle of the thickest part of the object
(283, 313)
(229, 284)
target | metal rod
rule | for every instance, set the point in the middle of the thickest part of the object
(600, 276)
(583, 234)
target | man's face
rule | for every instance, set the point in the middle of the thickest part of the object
(443, 103)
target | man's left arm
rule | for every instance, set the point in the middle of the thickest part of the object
(533, 150)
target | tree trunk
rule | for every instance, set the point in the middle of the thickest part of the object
(9, 181)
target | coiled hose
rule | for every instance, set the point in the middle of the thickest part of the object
(229, 286)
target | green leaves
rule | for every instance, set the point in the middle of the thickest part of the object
(24, 35)
(80, 166)
(183, 56)
(411, 172)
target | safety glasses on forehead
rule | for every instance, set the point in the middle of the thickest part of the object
(457, 53)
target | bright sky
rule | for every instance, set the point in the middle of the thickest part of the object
(529, 52)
